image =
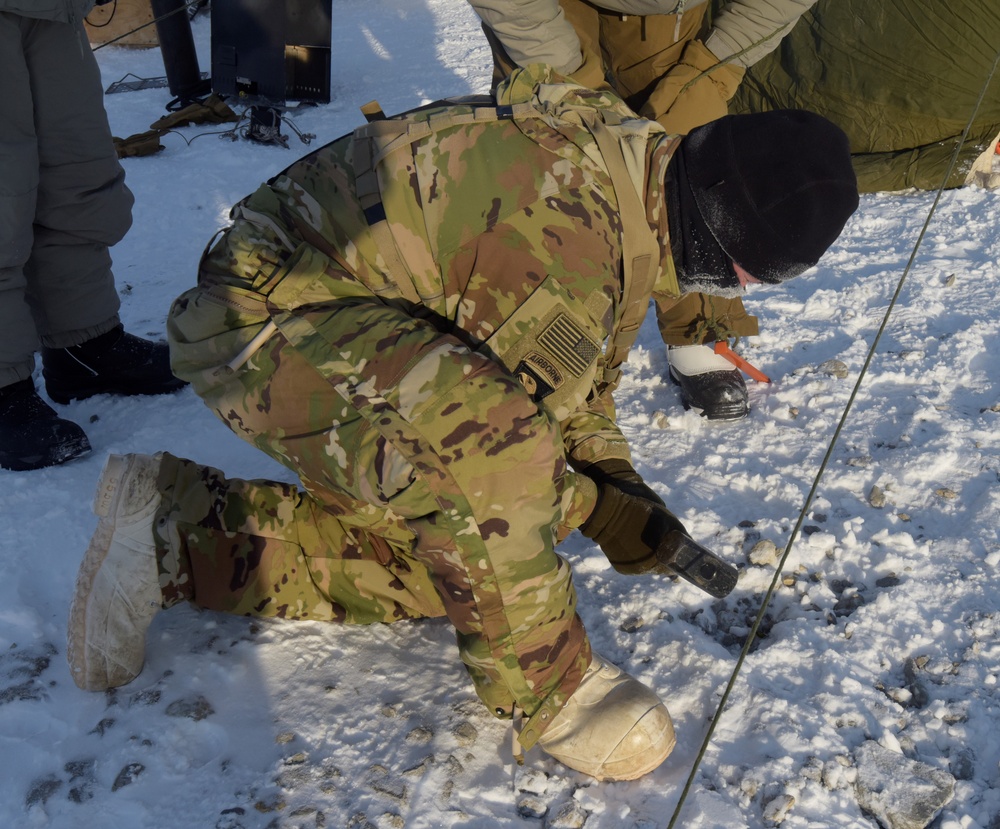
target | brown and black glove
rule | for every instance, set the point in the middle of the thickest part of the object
(629, 519)
(639, 535)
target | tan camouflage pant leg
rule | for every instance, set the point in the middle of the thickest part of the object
(264, 548)
(701, 318)
(389, 423)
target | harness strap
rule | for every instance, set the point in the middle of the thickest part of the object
(640, 256)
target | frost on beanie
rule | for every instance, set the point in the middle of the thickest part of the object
(775, 189)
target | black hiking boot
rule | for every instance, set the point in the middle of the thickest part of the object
(113, 363)
(32, 435)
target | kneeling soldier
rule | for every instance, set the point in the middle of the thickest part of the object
(425, 321)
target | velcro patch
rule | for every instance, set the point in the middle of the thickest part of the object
(569, 344)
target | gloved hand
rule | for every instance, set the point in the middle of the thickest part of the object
(629, 520)
(678, 107)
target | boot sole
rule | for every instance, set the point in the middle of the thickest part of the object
(105, 507)
(65, 396)
(65, 452)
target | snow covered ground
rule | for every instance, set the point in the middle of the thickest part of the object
(883, 629)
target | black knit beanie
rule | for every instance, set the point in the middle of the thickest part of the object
(775, 189)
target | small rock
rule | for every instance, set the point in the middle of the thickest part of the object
(466, 734)
(150, 696)
(532, 780)
(420, 736)
(661, 421)
(764, 553)
(83, 771)
(793, 412)
(41, 791)
(127, 776)
(749, 785)
(834, 368)
(888, 581)
(963, 764)
(571, 815)
(900, 793)
(420, 769)
(848, 603)
(918, 691)
(632, 624)
(396, 789)
(947, 494)
(876, 497)
(275, 803)
(532, 806)
(103, 726)
(284, 737)
(196, 708)
(230, 819)
(777, 810)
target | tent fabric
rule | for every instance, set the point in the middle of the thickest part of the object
(900, 77)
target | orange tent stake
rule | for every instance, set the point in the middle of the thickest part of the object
(723, 350)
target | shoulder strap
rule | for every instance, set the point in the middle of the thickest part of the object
(640, 255)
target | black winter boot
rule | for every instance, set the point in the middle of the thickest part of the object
(113, 363)
(710, 384)
(32, 435)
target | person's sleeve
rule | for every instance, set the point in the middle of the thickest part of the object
(533, 31)
(591, 434)
(747, 30)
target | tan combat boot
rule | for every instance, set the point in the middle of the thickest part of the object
(612, 727)
(117, 588)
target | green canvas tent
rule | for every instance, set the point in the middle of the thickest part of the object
(901, 77)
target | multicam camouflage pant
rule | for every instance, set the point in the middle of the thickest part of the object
(433, 485)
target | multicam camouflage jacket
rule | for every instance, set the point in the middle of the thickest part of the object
(532, 228)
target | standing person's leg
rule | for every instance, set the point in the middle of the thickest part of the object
(18, 192)
(640, 51)
(83, 206)
(63, 202)
(32, 435)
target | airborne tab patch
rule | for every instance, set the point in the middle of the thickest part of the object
(539, 376)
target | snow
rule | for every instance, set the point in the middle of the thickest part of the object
(883, 625)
